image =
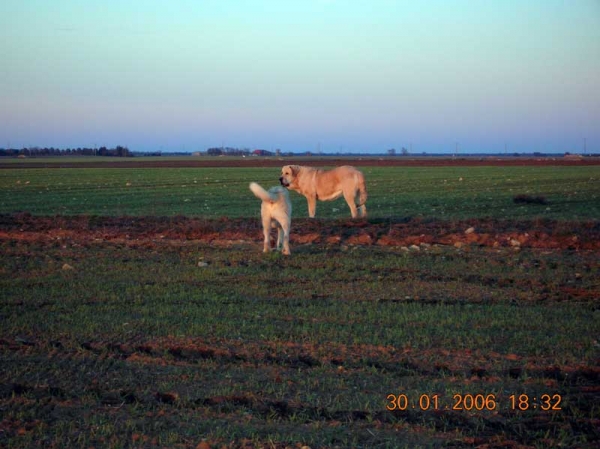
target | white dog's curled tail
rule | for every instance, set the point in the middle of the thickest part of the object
(261, 193)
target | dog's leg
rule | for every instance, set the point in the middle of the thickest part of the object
(362, 196)
(350, 198)
(312, 206)
(284, 233)
(363, 210)
(266, 224)
(361, 207)
(277, 226)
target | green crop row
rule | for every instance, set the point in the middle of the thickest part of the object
(565, 193)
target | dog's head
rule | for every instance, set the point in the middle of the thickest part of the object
(288, 174)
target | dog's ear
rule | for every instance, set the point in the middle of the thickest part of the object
(288, 167)
(295, 169)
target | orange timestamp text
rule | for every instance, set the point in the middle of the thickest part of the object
(473, 402)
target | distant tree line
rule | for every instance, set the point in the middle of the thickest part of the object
(221, 151)
(118, 151)
(228, 151)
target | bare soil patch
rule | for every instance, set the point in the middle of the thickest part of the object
(399, 232)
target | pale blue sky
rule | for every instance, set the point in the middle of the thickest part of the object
(301, 75)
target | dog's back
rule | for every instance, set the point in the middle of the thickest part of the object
(263, 194)
(276, 196)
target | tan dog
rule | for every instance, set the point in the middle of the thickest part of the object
(276, 212)
(326, 185)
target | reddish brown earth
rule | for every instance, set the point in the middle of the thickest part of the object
(151, 231)
(371, 161)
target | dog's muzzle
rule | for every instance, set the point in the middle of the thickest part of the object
(283, 182)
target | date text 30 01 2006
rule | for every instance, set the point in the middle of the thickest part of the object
(477, 402)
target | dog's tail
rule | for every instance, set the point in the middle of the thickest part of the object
(261, 193)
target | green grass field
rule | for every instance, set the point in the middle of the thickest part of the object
(440, 192)
(117, 337)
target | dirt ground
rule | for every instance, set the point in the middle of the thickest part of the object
(413, 234)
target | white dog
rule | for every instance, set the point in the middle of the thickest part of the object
(276, 212)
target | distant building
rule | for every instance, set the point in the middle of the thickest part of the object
(262, 153)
